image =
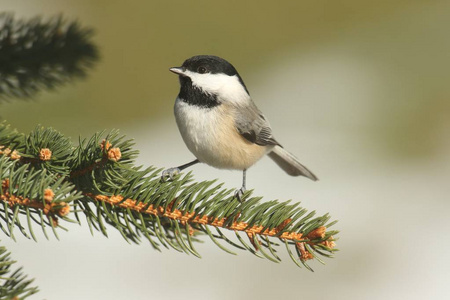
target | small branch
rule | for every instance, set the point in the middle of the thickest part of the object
(37, 54)
(14, 284)
(191, 218)
(109, 154)
(49, 208)
(52, 210)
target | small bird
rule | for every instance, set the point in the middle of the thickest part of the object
(221, 125)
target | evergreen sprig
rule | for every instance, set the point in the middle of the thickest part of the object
(98, 180)
(13, 284)
(37, 54)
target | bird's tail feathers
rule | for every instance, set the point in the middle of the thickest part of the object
(289, 163)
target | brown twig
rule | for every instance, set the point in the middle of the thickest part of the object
(109, 154)
(190, 218)
(49, 208)
(89, 168)
(54, 209)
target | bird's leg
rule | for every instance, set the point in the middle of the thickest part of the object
(239, 193)
(170, 173)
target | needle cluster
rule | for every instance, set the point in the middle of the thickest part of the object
(42, 54)
(13, 283)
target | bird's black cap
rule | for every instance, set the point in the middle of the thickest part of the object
(213, 64)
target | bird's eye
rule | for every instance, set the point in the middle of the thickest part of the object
(202, 70)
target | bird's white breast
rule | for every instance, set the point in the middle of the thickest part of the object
(210, 134)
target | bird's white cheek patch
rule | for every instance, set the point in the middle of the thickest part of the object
(209, 83)
(226, 88)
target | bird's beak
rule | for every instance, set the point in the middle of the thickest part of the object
(177, 70)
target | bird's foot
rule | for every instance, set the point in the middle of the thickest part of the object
(240, 193)
(170, 174)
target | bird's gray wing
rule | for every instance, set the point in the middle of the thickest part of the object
(253, 126)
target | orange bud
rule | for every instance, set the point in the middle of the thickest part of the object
(114, 154)
(317, 233)
(48, 195)
(105, 145)
(6, 152)
(45, 154)
(65, 210)
(15, 155)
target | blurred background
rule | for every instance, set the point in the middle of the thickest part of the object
(358, 90)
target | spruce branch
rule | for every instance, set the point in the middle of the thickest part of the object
(42, 54)
(48, 177)
(13, 284)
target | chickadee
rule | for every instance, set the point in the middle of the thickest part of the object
(220, 123)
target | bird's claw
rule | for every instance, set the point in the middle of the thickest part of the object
(170, 174)
(240, 193)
